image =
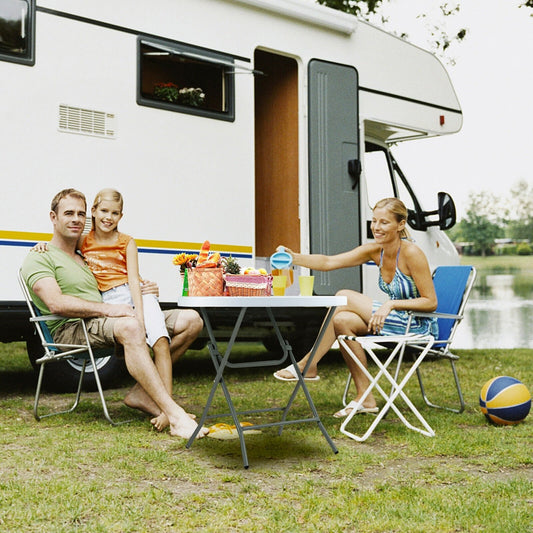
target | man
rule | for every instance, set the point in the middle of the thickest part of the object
(61, 283)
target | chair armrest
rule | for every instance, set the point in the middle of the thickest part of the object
(435, 315)
(46, 318)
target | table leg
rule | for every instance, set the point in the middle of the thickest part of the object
(219, 363)
(301, 381)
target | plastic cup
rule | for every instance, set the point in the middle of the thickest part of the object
(306, 285)
(278, 285)
(284, 272)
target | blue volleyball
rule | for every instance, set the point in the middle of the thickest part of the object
(505, 400)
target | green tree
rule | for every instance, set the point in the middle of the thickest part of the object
(440, 36)
(483, 222)
(520, 212)
(358, 7)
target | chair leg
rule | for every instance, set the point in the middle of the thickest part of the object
(78, 395)
(38, 395)
(346, 390)
(101, 394)
(457, 386)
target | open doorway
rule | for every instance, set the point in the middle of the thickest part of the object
(276, 153)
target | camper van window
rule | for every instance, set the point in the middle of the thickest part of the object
(378, 176)
(185, 79)
(382, 178)
(16, 31)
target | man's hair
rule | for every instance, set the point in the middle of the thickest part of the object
(63, 194)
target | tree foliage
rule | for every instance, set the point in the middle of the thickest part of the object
(440, 36)
(354, 7)
(519, 215)
(483, 222)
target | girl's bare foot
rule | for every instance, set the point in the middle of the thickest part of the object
(161, 422)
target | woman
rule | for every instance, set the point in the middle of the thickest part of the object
(404, 276)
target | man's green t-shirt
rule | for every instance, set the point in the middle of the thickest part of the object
(72, 278)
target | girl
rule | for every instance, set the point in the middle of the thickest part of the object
(404, 276)
(112, 257)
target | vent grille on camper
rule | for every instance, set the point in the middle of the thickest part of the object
(86, 121)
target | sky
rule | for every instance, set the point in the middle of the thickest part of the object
(493, 79)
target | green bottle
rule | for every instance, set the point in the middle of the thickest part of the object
(185, 284)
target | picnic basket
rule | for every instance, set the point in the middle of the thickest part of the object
(205, 281)
(248, 285)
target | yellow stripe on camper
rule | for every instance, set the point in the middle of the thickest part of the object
(192, 246)
(24, 236)
(28, 238)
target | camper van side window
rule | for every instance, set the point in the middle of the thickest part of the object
(17, 23)
(185, 79)
(378, 174)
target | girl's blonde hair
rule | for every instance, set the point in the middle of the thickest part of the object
(107, 194)
(398, 209)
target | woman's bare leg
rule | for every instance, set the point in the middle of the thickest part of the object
(352, 324)
(357, 304)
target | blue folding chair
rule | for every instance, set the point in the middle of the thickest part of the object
(453, 285)
(53, 352)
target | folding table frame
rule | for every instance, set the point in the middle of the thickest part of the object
(222, 361)
(371, 343)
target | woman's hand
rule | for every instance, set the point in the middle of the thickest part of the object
(150, 287)
(282, 248)
(377, 320)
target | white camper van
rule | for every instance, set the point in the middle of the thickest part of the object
(249, 123)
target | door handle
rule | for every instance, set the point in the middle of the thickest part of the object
(354, 170)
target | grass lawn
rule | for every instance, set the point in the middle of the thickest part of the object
(77, 473)
(504, 264)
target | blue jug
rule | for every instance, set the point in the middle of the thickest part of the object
(280, 260)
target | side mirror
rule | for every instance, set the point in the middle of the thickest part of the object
(447, 212)
(419, 220)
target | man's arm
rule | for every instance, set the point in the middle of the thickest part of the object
(58, 303)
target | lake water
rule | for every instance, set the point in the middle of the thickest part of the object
(499, 313)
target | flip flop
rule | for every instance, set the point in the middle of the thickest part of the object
(359, 409)
(227, 432)
(292, 371)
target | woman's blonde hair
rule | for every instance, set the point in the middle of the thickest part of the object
(398, 209)
(108, 194)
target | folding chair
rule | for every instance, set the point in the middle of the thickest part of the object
(452, 285)
(54, 352)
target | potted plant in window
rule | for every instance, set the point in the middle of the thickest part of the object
(170, 92)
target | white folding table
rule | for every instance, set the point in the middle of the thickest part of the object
(222, 361)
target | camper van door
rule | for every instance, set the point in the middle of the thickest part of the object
(334, 151)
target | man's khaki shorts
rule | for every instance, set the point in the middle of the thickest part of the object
(100, 330)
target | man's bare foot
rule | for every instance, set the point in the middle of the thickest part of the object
(183, 426)
(161, 422)
(138, 399)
